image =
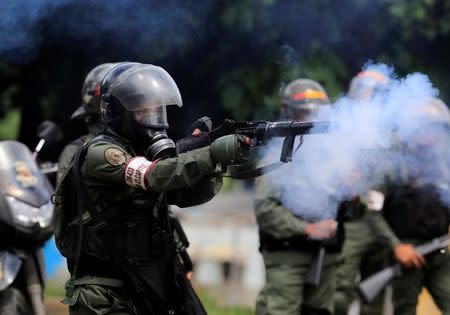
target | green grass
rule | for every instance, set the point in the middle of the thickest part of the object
(9, 125)
(54, 290)
(212, 306)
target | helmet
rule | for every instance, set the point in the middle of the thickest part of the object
(110, 112)
(366, 83)
(430, 122)
(433, 112)
(90, 92)
(302, 97)
(133, 104)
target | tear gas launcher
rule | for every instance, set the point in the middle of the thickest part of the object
(373, 285)
(260, 131)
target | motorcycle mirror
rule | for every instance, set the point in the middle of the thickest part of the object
(49, 131)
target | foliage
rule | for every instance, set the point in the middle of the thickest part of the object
(9, 125)
(426, 18)
(229, 58)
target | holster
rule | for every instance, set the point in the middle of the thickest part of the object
(181, 243)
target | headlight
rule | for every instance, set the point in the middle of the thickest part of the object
(28, 216)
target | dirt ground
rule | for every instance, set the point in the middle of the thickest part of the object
(425, 307)
(54, 307)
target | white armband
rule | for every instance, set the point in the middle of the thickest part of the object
(136, 170)
(374, 200)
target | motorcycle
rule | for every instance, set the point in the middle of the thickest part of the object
(26, 222)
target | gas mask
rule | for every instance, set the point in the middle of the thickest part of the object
(153, 142)
(161, 147)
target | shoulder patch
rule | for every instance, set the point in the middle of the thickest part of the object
(115, 156)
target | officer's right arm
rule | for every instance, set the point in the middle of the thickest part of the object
(374, 200)
(382, 230)
(111, 164)
(272, 217)
(203, 191)
(404, 253)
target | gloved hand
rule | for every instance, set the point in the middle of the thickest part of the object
(203, 124)
(231, 149)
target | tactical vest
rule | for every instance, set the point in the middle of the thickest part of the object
(416, 212)
(130, 239)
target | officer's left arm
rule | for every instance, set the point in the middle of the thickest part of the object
(382, 229)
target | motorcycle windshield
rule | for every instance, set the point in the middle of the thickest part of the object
(20, 176)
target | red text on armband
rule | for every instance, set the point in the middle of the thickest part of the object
(135, 171)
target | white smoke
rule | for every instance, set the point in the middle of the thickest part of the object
(360, 149)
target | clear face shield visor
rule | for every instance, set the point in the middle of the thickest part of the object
(152, 116)
(145, 92)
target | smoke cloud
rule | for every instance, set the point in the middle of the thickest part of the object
(368, 140)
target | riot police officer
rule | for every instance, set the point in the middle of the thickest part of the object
(363, 251)
(416, 208)
(288, 243)
(111, 204)
(89, 111)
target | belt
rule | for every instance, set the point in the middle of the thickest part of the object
(110, 282)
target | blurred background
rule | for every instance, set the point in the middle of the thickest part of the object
(229, 59)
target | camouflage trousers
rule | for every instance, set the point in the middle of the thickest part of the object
(435, 276)
(97, 296)
(362, 255)
(286, 293)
